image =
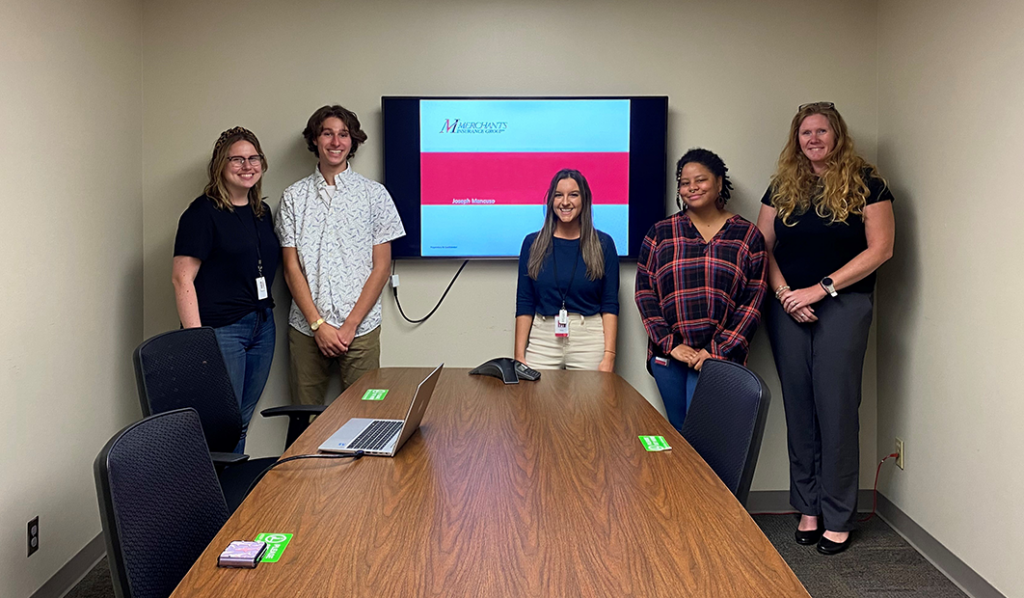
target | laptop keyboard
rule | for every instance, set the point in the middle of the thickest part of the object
(376, 435)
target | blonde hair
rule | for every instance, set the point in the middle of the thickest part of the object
(216, 189)
(841, 190)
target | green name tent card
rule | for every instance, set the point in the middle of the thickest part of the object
(276, 543)
(655, 443)
(375, 394)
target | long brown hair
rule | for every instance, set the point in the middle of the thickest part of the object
(590, 244)
(216, 189)
(838, 192)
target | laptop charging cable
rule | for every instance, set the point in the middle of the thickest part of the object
(353, 456)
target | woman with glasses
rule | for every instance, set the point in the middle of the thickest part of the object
(700, 281)
(225, 256)
(828, 223)
(567, 299)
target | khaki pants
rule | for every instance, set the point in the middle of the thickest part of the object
(582, 350)
(311, 369)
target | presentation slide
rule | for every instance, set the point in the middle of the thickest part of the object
(485, 167)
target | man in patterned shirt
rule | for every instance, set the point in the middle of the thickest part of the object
(336, 228)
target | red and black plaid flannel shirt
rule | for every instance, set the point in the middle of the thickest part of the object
(700, 294)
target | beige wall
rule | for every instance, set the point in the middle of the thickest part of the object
(70, 137)
(950, 93)
(734, 71)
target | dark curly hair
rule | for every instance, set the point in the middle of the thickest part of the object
(315, 126)
(710, 160)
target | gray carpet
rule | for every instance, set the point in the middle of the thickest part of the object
(95, 584)
(879, 565)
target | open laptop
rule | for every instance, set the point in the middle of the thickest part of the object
(383, 437)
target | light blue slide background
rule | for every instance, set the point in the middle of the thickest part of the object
(531, 125)
(499, 230)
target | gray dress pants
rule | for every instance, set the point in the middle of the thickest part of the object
(820, 365)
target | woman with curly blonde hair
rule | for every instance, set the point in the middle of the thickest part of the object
(828, 224)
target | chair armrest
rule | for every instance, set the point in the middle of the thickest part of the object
(298, 418)
(222, 460)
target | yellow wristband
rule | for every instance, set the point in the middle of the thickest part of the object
(316, 324)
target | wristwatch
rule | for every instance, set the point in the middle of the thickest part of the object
(316, 324)
(826, 283)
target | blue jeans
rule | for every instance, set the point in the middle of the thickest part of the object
(248, 349)
(676, 383)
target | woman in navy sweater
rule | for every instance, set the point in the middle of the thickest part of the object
(567, 302)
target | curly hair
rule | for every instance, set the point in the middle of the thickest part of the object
(841, 190)
(315, 126)
(710, 160)
(216, 189)
(590, 243)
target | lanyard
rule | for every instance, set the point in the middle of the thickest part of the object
(256, 226)
(554, 261)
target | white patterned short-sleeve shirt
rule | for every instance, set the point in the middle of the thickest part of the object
(334, 234)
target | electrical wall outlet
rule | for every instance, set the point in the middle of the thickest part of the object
(33, 536)
(899, 453)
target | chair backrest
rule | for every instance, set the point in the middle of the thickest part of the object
(725, 422)
(160, 502)
(185, 368)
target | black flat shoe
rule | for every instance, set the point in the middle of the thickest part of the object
(810, 536)
(828, 547)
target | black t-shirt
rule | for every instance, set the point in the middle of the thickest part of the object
(812, 248)
(226, 244)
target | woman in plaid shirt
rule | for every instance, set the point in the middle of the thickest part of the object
(700, 281)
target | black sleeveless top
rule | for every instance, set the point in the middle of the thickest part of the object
(813, 248)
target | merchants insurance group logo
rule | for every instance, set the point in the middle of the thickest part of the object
(457, 125)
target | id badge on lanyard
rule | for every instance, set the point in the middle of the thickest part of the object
(261, 283)
(562, 319)
(562, 324)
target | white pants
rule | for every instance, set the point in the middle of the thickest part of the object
(583, 349)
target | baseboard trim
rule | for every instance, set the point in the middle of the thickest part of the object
(777, 501)
(959, 572)
(68, 576)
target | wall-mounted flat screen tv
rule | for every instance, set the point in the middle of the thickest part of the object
(469, 175)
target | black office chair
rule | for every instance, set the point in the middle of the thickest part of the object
(725, 422)
(160, 502)
(185, 368)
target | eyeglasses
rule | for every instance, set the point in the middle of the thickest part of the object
(820, 105)
(237, 162)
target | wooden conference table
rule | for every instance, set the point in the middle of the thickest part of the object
(535, 489)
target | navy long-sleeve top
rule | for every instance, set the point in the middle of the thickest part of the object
(587, 297)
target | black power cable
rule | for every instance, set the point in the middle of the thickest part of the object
(353, 456)
(394, 289)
